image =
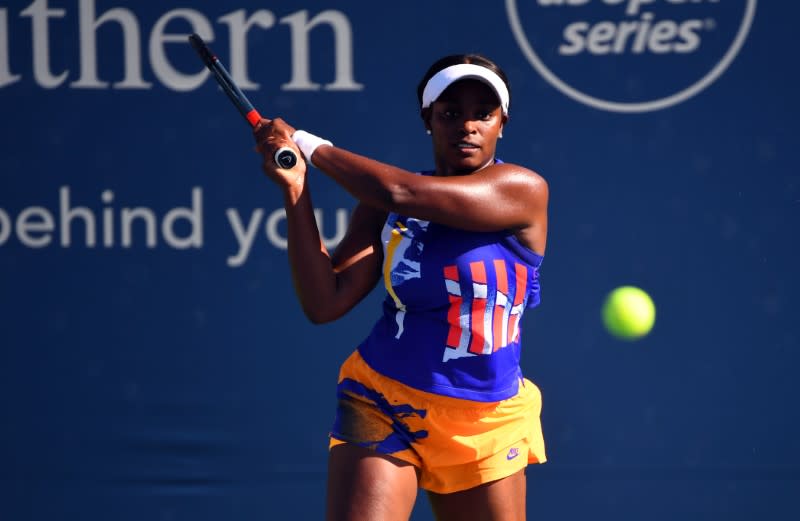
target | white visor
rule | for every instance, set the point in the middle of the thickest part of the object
(464, 71)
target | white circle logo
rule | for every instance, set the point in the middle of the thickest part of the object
(630, 55)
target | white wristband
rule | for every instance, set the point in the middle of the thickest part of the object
(308, 143)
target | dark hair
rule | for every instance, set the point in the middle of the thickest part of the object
(456, 59)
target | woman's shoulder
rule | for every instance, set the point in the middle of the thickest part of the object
(530, 177)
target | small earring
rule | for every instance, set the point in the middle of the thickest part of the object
(500, 136)
(428, 131)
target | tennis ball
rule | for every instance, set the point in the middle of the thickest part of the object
(628, 313)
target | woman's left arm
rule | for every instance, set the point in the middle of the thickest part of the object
(500, 196)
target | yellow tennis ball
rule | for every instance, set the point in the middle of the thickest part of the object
(629, 313)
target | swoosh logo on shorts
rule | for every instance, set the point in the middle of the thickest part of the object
(512, 453)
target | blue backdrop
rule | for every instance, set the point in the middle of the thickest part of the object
(154, 362)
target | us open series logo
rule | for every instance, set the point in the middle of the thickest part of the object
(630, 55)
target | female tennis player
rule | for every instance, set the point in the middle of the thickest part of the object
(433, 397)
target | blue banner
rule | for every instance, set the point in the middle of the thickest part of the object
(156, 364)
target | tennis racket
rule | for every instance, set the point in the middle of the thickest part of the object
(285, 157)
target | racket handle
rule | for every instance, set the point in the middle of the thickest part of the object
(252, 116)
(285, 158)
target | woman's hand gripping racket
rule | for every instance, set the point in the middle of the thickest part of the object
(285, 157)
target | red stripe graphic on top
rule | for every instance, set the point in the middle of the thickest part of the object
(479, 290)
(498, 325)
(521, 274)
(454, 312)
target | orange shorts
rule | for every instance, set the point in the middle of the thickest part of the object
(456, 444)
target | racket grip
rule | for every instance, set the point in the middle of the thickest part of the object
(252, 116)
(285, 158)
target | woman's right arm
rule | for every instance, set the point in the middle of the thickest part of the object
(327, 285)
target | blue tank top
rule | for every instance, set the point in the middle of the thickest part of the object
(451, 320)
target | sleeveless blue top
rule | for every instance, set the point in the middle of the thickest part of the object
(451, 320)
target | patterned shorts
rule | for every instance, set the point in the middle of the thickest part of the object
(456, 444)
